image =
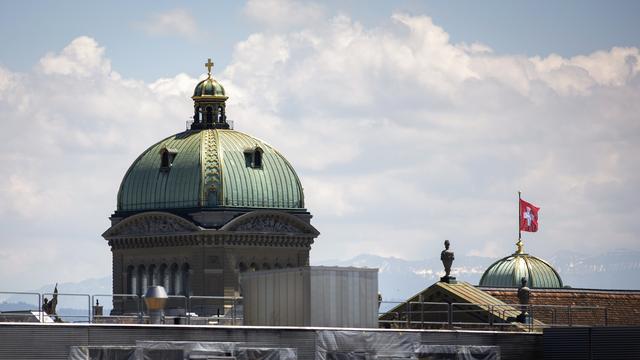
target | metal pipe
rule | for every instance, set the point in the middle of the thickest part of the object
(491, 316)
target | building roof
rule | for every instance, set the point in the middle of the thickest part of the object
(508, 272)
(210, 168)
(480, 306)
(587, 305)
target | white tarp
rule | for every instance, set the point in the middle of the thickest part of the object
(461, 352)
(181, 350)
(360, 345)
(102, 353)
(330, 345)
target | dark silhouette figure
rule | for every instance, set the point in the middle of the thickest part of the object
(447, 258)
(49, 307)
(524, 293)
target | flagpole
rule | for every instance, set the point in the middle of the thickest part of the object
(519, 244)
(519, 212)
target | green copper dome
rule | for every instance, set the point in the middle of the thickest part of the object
(210, 168)
(508, 271)
(208, 87)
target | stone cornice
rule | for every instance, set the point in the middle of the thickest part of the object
(213, 238)
(270, 221)
(150, 224)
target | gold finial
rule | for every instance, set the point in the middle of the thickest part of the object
(520, 246)
(209, 65)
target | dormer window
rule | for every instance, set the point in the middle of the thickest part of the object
(253, 158)
(166, 158)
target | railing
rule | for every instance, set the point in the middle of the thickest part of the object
(504, 317)
(15, 313)
(210, 305)
(120, 300)
(127, 308)
(220, 310)
(189, 123)
(61, 300)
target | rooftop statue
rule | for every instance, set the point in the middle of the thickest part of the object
(49, 307)
(447, 258)
(524, 294)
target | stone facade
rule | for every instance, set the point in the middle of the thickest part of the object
(188, 259)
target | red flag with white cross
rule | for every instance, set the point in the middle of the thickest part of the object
(528, 216)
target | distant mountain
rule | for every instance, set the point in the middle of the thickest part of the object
(88, 286)
(616, 269)
(398, 278)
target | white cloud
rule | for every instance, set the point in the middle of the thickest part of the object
(399, 130)
(180, 85)
(64, 147)
(82, 57)
(282, 14)
(171, 22)
(401, 137)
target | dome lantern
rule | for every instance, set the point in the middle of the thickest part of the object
(209, 103)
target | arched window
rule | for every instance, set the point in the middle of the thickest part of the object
(142, 280)
(153, 275)
(132, 284)
(185, 280)
(242, 267)
(174, 285)
(196, 115)
(209, 115)
(219, 115)
(163, 277)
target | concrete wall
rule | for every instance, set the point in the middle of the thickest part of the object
(312, 296)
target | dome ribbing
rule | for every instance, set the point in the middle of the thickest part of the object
(210, 168)
(508, 271)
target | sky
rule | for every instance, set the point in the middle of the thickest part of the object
(408, 122)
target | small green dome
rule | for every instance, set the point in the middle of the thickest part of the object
(508, 271)
(210, 168)
(208, 87)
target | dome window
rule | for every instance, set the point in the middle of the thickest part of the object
(166, 158)
(253, 158)
(222, 118)
(209, 116)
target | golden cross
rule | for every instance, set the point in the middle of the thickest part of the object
(209, 65)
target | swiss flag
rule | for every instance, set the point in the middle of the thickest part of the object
(528, 216)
